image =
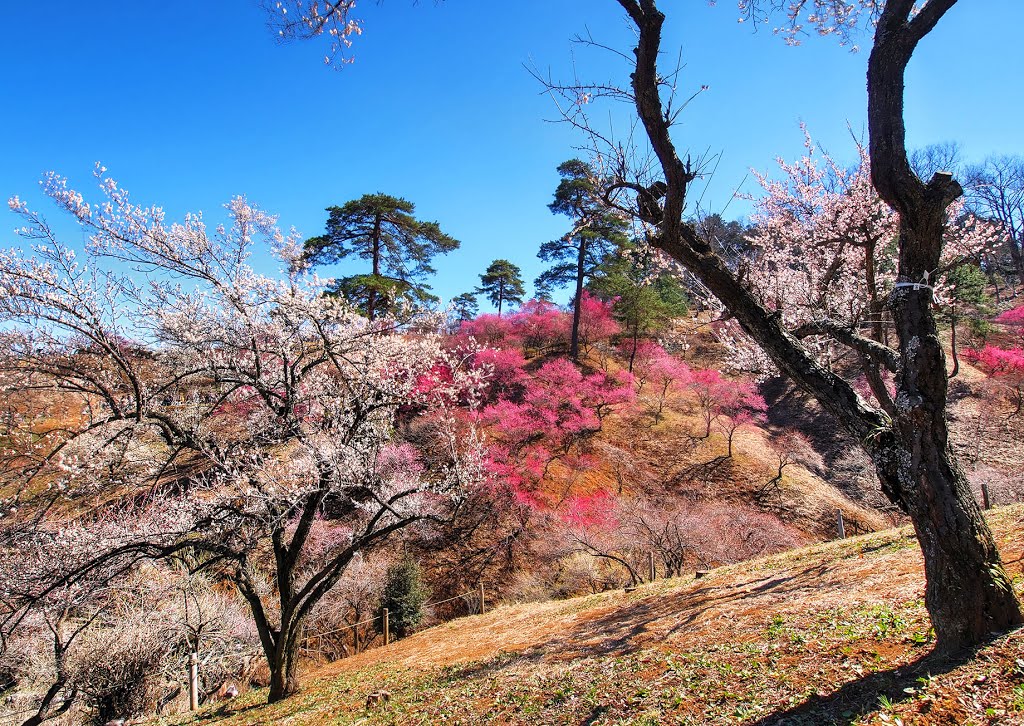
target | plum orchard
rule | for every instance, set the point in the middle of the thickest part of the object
(246, 420)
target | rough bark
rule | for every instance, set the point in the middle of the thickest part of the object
(581, 258)
(284, 677)
(968, 595)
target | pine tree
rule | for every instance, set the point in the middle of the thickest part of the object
(642, 305)
(464, 307)
(382, 229)
(501, 283)
(596, 234)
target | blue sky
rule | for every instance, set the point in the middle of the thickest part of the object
(191, 102)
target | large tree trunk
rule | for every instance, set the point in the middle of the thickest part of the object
(968, 595)
(284, 674)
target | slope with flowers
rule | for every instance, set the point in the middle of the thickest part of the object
(832, 634)
(632, 454)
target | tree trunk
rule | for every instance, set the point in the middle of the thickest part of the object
(44, 713)
(967, 594)
(371, 298)
(574, 343)
(284, 676)
(632, 352)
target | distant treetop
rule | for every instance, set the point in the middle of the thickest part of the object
(380, 228)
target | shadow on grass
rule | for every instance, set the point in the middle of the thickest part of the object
(865, 695)
(629, 626)
(230, 709)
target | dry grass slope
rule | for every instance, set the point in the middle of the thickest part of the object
(831, 634)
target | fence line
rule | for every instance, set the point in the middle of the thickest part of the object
(375, 618)
(460, 596)
(347, 627)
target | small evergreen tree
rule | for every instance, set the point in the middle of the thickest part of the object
(644, 302)
(380, 228)
(404, 596)
(597, 233)
(464, 307)
(501, 283)
(968, 300)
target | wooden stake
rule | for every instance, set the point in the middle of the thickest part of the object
(387, 626)
(193, 681)
(839, 522)
(650, 565)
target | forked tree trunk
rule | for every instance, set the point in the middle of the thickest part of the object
(967, 595)
(284, 675)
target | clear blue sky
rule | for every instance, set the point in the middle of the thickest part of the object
(191, 102)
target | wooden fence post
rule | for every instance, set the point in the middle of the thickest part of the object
(483, 602)
(839, 522)
(387, 626)
(193, 681)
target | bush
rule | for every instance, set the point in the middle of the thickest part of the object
(118, 669)
(404, 596)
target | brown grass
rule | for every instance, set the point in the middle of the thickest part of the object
(831, 634)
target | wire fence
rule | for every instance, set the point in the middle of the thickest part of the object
(472, 598)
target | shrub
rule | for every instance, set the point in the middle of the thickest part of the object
(404, 596)
(117, 669)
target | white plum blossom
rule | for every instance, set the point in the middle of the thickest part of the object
(242, 413)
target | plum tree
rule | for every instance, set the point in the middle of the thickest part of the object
(245, 419)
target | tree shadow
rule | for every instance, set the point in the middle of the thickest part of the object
(855, 698)
(233, 708)
(630, 626)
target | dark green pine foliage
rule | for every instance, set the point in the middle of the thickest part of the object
(404, 596)
(646, 301)
(596, 234)
(464, 307)
(502, 282)
(382, 229)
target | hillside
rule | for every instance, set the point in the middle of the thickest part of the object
(834, 633)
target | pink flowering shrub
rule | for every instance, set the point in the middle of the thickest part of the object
(596, 320)
(596, 509)
(558, 409)
(1014, 316)
(1005, 366)
(997, 362)
(537, 327)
